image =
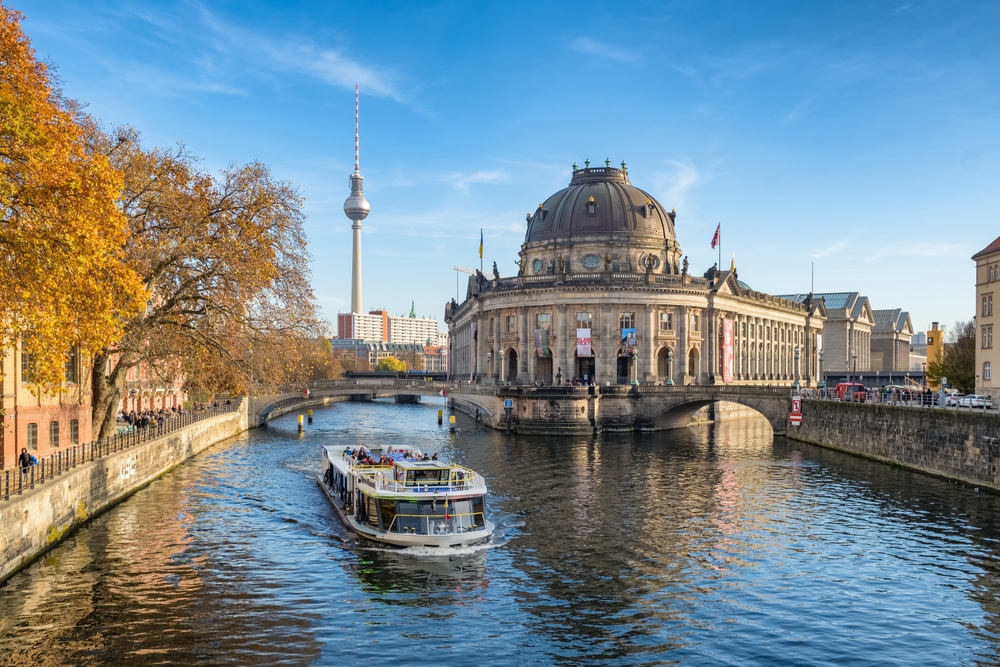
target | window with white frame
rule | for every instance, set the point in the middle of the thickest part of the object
(543, 321)
(626, 321)
(511, 323)
(584, 320)
(987, 371)
(666, 321)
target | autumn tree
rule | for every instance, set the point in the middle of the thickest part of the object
(390, 364)
(63, 278)
(958, 362)
(224, 261)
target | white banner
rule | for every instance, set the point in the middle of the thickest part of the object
(583, 343)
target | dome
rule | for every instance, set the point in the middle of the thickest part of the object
(600, 202)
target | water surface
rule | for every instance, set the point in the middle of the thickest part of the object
(708, 546)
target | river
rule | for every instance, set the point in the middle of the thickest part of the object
(717, 545)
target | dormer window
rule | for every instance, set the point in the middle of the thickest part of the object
(649, 209)
(591, 207)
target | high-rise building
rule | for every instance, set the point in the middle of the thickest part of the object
(413, 329)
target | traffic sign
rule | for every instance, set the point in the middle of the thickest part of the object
(508, 404)
(796, 420)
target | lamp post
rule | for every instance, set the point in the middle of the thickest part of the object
(796, 383)
(854, 366)
(489, 362)
(635, 368)
(670, 368)
(822, 380)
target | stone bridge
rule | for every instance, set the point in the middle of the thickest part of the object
(549, 409)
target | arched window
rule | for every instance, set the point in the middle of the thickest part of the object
(987, 371)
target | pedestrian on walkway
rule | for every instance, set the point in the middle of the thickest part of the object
(24, 460)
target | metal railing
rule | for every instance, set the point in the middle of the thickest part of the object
(14, 481)
(902, 398)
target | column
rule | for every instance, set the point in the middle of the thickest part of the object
(564, 344)
(497, 342)
(650, 363)
(681, 353)
(522, 345)
(607, 361)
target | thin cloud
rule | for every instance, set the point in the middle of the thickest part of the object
(834, 248)
(592, 47)
(463, 181)
(677, 183)
(221, 55)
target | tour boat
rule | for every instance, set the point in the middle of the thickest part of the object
(411, 503)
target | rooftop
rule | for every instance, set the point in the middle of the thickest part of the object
(988, 250)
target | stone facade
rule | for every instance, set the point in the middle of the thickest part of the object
(890, 340)
(847, 332)
(987, 354)
(601, 255)
(34, 521)
(955, 444)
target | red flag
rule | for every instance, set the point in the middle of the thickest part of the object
(718, 234)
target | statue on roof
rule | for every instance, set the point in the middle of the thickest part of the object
(684, 267)
(496, 272)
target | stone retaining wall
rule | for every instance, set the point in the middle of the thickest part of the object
(961, 445)
(32, 522)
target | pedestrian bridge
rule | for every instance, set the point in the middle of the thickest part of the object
(547, 409)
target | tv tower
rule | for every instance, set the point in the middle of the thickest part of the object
(356, 208)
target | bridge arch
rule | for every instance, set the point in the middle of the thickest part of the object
(679, 411)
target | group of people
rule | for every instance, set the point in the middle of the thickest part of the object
(364, 457)
(145, 418)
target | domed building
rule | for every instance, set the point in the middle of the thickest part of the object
(604, 293)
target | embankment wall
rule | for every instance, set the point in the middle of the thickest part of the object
(961, 445)
(37, 519)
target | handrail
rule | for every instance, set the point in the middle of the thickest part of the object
(15, 481)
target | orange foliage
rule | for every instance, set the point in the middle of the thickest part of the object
(62, 275)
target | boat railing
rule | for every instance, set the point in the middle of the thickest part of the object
(437, 524)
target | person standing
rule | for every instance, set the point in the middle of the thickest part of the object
(24, 460)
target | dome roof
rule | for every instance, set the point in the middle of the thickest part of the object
(600, 202)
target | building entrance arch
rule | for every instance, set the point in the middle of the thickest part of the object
(586, 367)
(543, 370)
(694, 361)
(626, 363)
(512, 365)
(663, 363)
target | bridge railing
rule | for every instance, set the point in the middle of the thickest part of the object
(16, 480)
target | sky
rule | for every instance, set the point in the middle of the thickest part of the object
(860, 138)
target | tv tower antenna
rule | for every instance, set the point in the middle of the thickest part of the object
(356, 208)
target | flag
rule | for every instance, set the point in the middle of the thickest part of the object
(481, 244)
(718, 236)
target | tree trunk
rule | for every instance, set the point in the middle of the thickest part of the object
(107, 392)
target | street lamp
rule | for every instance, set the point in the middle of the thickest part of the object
(796, 383)
(822, 380)
(670, 368)
(635, 368)
(854, 366)
(489, 361)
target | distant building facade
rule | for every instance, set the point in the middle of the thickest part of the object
(847, 331)
(41, 423)
(378, 326)
(987, 356)
(890, 340)
(413, 329)
(604, 293)
(373, 326)
(368, 353)
(436, 358)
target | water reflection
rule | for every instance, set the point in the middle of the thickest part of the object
(706, 546)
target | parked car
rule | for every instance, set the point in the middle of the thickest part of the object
(953, 400)
(977, 401)
(851, 391)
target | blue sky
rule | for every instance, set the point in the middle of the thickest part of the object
(862, 136)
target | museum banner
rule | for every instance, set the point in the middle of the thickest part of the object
(727, 350)
(628, 342)
(583, 343)
(542, 343)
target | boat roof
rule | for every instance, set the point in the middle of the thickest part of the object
(423, 465)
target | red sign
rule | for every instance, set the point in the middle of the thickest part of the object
(796, 416)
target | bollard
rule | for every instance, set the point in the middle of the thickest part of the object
(451, 423)
(440, 417)
(301, 427)
(310, 416)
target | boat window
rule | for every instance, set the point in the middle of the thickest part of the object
(478, 509)
(387, 510)
(372, 510)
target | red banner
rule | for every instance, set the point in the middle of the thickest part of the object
(727, 350)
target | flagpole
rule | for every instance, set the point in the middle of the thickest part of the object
(720, 247)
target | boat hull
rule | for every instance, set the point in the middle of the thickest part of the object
(403, 540)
